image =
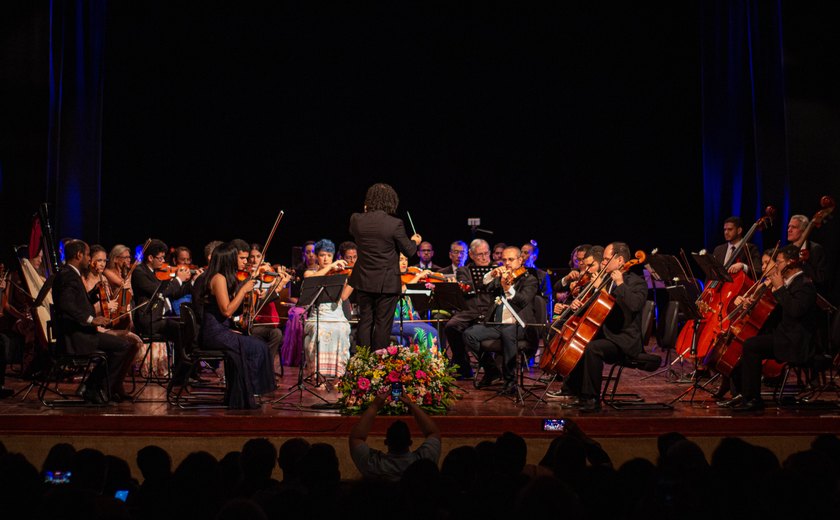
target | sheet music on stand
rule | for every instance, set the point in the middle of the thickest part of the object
(712, 268)
(477, 273)
(421, 297)
(666, 268)
(449, 297)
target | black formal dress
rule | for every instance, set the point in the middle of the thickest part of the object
(620, 335)
(793, 338)
(380, 239)
(75, 332)
(525, 287)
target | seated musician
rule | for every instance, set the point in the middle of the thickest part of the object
(200, 282)
(183, 256)
(478, 304)
(498, 249)
(620, 335)
(349, 252)
(815, 263)
(530, 252)
(147, 314)
(116, 270)
(81, 328)
(457, 258)
(329, 354)
(747, 260)
(99, 291)
(290, 352)
(425, 253)
(518, 287)
(561, 287)
(591, 264)
(248, 369)
(793, 338)
(414, 331)
(267, 322)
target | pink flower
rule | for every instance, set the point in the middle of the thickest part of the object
(392, 350)
(363, 383)
(420, 374)
(393, 377)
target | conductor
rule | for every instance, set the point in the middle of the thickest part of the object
(380, 238)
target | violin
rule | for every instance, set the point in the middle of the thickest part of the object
(408, 276)
(508, 277)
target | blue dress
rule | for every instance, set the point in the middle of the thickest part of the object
(248, 369)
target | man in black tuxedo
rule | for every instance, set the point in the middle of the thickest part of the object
(620, 335)
(425, 253)
(519, 293)
(814, 265)
(747, 260)
(148, 319)
(793, 338)
(478, 301)
(375, 280)
(457, 258)
(76, 322)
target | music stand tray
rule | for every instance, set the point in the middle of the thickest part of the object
(449, 297)
(421, 297)
(712, 268)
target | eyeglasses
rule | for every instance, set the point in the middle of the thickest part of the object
(482, 254)
(160, 257)
(456, 252)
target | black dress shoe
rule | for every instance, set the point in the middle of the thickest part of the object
(750, 405)
(488, 379)
(729, 403)
(509, 388)
(590, 405)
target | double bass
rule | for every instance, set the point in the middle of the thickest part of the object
(716, 299)
(581, 328)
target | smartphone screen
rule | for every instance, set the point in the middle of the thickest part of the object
(57, 477)
(396, 391)
(554, 425)
(121, 494)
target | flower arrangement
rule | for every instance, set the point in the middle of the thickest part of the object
(426, 377)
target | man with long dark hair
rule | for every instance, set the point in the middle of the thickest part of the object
(380, 237)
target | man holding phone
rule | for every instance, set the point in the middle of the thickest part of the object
(390, 466)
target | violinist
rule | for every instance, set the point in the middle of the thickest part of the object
(478, 304)
(148, 319)
(747, 259)
(248, 367)
(349, 252)
(457, 257)
(333, 349)
(814, 260)
(425, 253)
(376, 278)
(792, 339)
(620, 335)
(561, 287)
(415, 331)
(266, 322)
(78, 323)
(99, 290)
(183, 257)
(515, 284)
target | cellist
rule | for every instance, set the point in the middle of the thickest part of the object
(620, 335)
(792, 340)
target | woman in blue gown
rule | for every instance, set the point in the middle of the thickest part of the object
(248, 367)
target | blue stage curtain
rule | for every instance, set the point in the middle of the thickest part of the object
(745, 162)
(74, 153)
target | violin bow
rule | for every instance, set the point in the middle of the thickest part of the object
(270, 237)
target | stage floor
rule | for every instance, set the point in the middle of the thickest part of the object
(471, 416)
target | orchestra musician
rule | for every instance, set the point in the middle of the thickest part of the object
(148, 319)
(81, 328)
(748, 259)
(116, 270)
(248, 369)
(498, 249)
(98, 286)
(620, 334)
(814, 265)
(457, 258)
(200, 283)
(478, 304)
(425, 253)
(561, 287)
(333, 347)
(415, 331)
(515, 284)
(793, 338)
(375, 277)
(266, 323)
(591, 263)
(530, 252)
(349, 252)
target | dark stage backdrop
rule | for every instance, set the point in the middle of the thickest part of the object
(564, 124)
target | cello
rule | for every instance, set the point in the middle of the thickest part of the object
(580, 329)
(717, 297)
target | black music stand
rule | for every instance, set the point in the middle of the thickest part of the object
(315, 290)
(678, 294)
(151, 376)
